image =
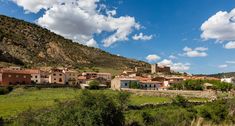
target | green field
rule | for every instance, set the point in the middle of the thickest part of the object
(22, 99)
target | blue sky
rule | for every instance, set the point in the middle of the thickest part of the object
(172, 28)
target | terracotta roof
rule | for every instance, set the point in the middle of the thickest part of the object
(81, 78)
(142, 78)
(15, 71)
(33, 71)
(151, 82)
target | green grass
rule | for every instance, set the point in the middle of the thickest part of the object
(138, 100)
(22, 99)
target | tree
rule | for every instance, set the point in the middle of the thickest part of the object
(180, 101)
(134, 85)
(94, 84)
(89, 109)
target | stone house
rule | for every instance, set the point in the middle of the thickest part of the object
(119, 83)
(56, 76)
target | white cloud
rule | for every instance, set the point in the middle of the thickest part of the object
(80, 20)
(220, 26)
(172, 57)
(35, 5)
(223, 66)
(230, 62)
(143, 37)
(197, 52)
(152, 58)
(175, 66)
(92, 43)
(201, 49)
(230, 45)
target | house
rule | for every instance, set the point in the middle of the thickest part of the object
(207, 86)
(71, 77)
(174, 80)
(129, 73)
(89, 75)
(228, 80)
(160, 69)
(35, 75)
(56, 76)
(119, 83)
(14, 77)
(151, 85)
(106, 76)
(44, 77)
(81, 79)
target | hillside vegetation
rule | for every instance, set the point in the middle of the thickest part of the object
(29, 45)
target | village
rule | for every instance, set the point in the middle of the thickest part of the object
(156, 78)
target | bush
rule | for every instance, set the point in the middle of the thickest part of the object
(5, 90)
(215, 112)
(199, 85)
(180, 101)
(134, 85)
(168, 116)
(94, 84)
(89, 109)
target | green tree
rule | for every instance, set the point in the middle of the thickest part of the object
(134, 85)
(89, 109)
(94, 84)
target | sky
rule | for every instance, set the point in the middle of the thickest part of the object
(195, 36)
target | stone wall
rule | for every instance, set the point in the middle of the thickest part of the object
(173, 93)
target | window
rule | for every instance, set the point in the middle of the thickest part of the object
(125, 84)
(60, 80)
(60, 74)
(17, 76)
(150, 85)
(24, 76)
(54, 79)
(36, 76)
(36, 80)
(9, 75)
(54, 74)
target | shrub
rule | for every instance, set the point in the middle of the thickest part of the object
(5, 90)
(94, 84)
(89, 109)
(215, 112)
(180, 101)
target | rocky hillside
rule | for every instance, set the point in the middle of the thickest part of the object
(27, 44)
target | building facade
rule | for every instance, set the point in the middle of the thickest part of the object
(15, 77)
(56, 76)
(121, 83)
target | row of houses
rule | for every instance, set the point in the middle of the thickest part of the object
(151, 82)
(146, 83)
(17, 75)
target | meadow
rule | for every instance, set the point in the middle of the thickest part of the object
(21, 99)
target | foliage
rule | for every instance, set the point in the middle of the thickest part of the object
(215, 112)
(89, 109)
(199, 85)
(134, 85)
(5, 90)
(180, 101)
(94, 84)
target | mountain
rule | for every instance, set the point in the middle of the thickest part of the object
(221, 75)
(27, 44)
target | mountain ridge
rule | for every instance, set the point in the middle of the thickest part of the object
(27, 44)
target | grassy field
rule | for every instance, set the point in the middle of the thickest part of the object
(22, 99)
